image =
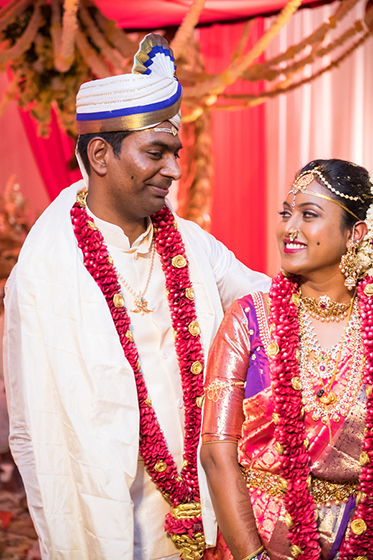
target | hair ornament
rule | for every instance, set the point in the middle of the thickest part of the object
(365, 252)
(311, 173)
(371, 182)
(300, 186)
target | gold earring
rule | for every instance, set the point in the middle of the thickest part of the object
(350, 266)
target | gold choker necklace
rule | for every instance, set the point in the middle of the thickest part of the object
(325, 309)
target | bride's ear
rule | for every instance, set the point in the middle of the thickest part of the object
(358, 233)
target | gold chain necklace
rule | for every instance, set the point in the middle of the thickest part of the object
(140, 303)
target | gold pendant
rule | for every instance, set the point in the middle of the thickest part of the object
(141, 305)
(328, 399)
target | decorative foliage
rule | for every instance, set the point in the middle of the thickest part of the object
(14, 219)
(51, 49)
(14, 226)
(197, 172)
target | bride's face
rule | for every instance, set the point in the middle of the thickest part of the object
(316, 251)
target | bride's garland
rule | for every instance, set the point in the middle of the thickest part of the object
(291, 438)
(181, 490)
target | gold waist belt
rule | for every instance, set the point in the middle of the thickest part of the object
(323, 491)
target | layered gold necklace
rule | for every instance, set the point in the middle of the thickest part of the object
(319, 368)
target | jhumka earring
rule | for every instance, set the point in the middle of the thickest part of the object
(350, 266)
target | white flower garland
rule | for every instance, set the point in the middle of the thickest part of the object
(365, 252)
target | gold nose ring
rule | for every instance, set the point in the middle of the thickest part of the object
(293, 234)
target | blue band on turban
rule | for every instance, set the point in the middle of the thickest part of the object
(156, 50)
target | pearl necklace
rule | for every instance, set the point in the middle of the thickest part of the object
(140, 303)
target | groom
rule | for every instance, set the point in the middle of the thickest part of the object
(111, 311)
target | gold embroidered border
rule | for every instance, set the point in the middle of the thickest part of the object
(218, 388)
(272, 484)
(323, 491)
(260, 308)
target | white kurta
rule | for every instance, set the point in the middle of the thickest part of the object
(71, 392)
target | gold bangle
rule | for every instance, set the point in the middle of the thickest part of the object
(254, 554)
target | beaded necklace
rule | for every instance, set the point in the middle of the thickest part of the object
(184, 523)
(139, 301)
(290, 433)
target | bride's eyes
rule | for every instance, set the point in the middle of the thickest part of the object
(285, 214)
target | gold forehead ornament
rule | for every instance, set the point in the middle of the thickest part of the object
(307, 177)
(173, 130)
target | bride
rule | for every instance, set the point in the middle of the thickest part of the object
(288, 419)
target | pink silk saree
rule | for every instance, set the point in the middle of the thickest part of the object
(244, 415)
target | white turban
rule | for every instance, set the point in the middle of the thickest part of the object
(148, 96)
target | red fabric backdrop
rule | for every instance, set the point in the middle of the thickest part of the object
(239, 197)
(52, 154)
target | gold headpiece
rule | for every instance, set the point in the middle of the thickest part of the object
(306, 178)
(173, 130)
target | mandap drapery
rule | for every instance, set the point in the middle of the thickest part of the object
(330, 118)
(157, 14)
(238, 216)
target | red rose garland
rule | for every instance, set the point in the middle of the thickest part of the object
(359, 541)
(183, 488)
(290, 431)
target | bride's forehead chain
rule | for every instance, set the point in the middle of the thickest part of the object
(304, 179)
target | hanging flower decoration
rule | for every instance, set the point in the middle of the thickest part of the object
(53, 46)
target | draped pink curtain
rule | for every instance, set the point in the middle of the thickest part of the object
(239, 195)
(51, 154)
